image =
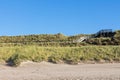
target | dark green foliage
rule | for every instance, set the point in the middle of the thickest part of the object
(100, 41)
(115, 40)
(117, 37)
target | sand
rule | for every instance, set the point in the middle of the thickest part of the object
(50, 71)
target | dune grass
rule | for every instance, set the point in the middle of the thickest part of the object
(71, 55)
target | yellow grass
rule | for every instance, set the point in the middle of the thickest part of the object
(72, 55)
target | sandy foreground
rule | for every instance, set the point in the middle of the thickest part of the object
(49, 71)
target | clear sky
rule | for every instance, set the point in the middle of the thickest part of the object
(70, 17)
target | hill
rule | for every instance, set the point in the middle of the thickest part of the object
(59, 40)
(58, 48)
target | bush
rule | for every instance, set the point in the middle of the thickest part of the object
(16, 59)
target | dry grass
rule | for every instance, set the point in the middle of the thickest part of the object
(71, 55)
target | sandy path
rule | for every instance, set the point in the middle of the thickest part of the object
(49, 71)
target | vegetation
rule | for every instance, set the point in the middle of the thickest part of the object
(58, 48)
(71, 55)
(57, 40)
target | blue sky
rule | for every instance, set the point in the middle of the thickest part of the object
(70, 17)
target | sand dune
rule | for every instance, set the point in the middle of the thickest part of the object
(49, 71)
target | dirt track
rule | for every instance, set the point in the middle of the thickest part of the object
(49, 71)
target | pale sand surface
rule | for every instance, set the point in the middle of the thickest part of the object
(49, 71)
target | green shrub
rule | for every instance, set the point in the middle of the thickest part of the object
(16, 59)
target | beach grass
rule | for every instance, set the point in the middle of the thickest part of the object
(71, 55)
